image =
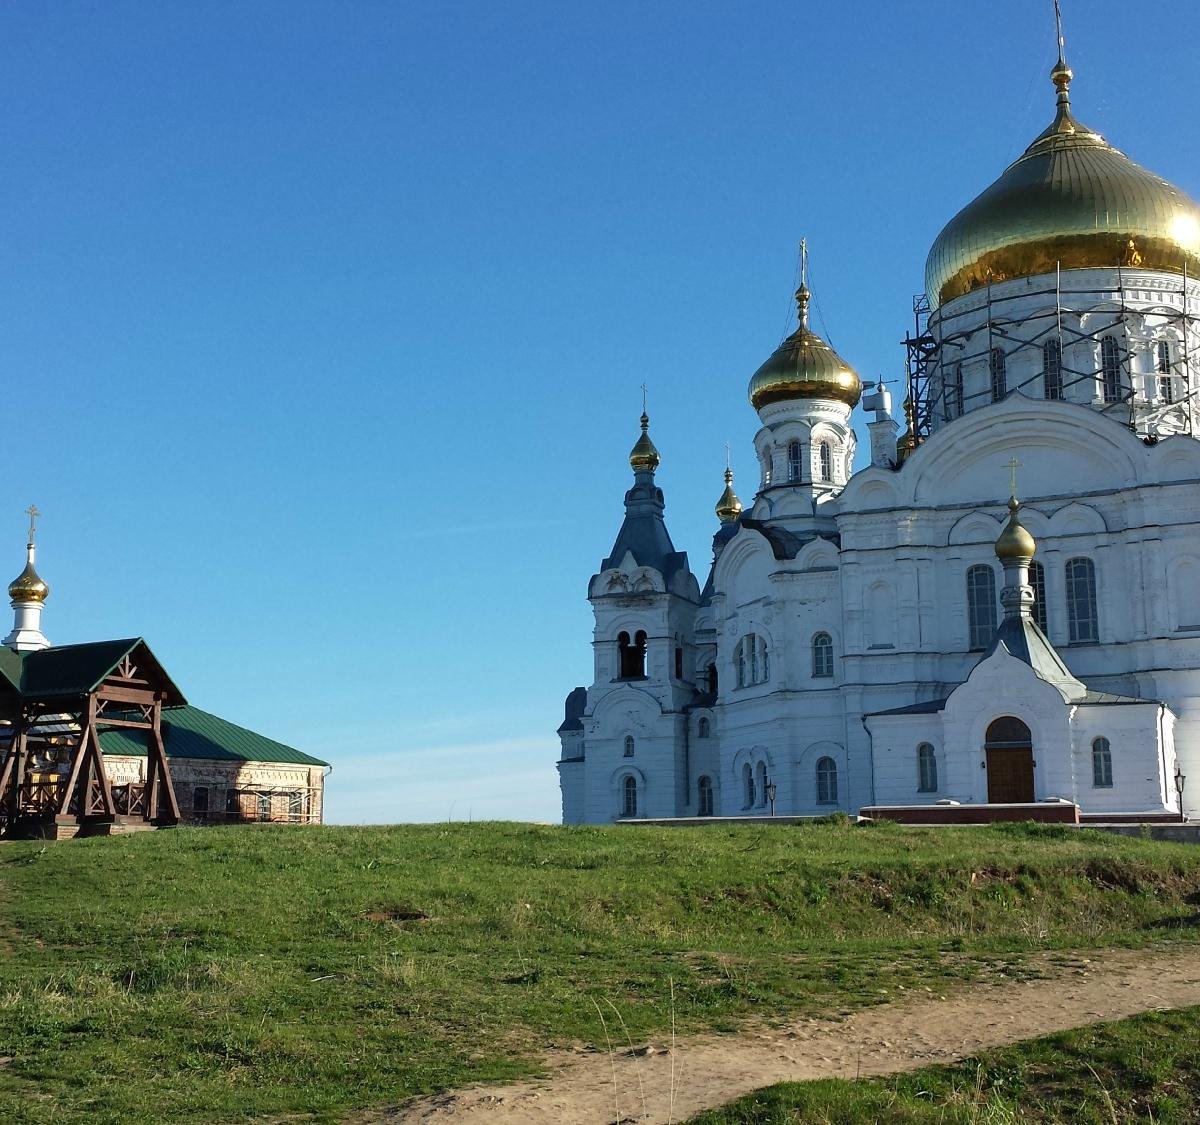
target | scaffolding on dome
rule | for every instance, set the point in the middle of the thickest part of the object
(940, 347)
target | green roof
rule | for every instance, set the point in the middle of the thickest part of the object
(75, 670)
(189, 732)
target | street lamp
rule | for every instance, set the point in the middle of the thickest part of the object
(772, 789)
(1180, 782)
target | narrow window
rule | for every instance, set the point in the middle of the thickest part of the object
(981, 606)
(712, 678)
(1082, 616)
(629, 797)
(233, 803)
(678, 662)
(629, 746)
(1166, 385)
(764, 660)
(705, 807)
(748, 784)
(739, 658)
(999, 372)
(956, 391)
(1037, 580)
(702, 728)
(1052, 369)
(766, 467)
(632, 655)
(200, 800)
(295, 807)
(761, 788)
(1102, 764)
(822, 655)
(752, 657)
(264, 806)
(827, 787)
(926, 769)
(793, 460)
(1110, 367)
(825, 457)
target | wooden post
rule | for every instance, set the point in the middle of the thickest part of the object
(157, 751)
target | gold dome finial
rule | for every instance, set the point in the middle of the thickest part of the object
(1015, 542)
(643, 457)
(1060, 73)
(729, 507)
(28, 586)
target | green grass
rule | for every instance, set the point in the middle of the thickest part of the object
(226, 973)
(1145, 1069)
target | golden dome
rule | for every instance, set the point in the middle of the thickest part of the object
(1015, 542)
(1070, 199)
(804, 366)
(28, 585)
(643, 457)
(729, 507)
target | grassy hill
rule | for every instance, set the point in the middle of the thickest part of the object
(224, 973)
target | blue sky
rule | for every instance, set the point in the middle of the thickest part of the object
(323, 323)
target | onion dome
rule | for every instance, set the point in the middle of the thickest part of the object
(1015, 542)
(806, 367)
(643, 457)
(28, 586)
(1070, 200)
(729, 507)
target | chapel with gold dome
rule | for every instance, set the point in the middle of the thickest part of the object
(994, 616)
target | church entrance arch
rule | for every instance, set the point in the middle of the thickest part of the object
(1008, 745)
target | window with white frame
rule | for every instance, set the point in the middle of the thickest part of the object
(1083, 624)
(629, 746)
(998, 369)
(705, 795)
(822, 655)
(1166, 385)
(751, 660)
(827, 781)
(825, 461)
(1110, 369)
(702, 728)
(748, 786)
(761, 779)
(927, 780)
(794, 461)
(1037, 582)
(1052, 386)
(1102, 764)
(981, 606)
(629, 800)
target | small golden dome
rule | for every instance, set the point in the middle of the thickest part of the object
(729, 507)
(28, 585)
(1015, 542)
(804, 366)
(643, 457)
(1070, 199)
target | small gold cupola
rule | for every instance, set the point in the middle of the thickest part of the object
(643, 457)
(1015, 542)
(729, 507)
(28, 593)
(28, 586)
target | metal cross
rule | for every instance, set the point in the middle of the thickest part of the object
(727, 464)
(33, 513)
(804, 261)
(1012, 466)
(644, 398)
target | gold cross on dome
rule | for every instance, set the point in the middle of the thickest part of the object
(1013, 465)
(644, 389)
(33, 513)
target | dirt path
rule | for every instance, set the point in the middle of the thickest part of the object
(709, 1071)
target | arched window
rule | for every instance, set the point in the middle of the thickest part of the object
(1110, 368)
(981, 606)
(761, 787)
(629, 746)
(998, 368)
(926, 769)
(748, 785)
(1052, 369)
(793, 460)
(752, 657)
(1101, 764)
(739, 659)
(1166, 385)
(827, 787)
(633, 655)
(629, 797)
(705, 788)
(1082, 616)
(702, 728)
(764, 661)
(1037, 580)
(712, 678)
(825, 459)
(822, 655)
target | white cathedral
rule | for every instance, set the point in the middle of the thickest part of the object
(897, 635)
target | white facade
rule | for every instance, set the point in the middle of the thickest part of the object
(840, 595)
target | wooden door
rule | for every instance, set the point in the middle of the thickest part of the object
(1010, 775)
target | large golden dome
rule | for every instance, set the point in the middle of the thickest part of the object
(804, 366)
(1069, 199)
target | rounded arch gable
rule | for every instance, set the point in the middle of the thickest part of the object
(1077, 519)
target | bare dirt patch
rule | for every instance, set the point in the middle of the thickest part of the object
(669, 1083)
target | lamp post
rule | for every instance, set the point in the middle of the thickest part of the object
(771, 791)
(1180, 782)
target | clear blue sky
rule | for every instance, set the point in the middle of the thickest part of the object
(322, 323)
